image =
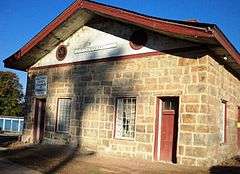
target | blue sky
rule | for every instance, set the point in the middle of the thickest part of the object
(21, 20)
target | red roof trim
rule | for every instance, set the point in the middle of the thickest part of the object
(226, 44)
(49, 28)
(146, 21)
(131, 17)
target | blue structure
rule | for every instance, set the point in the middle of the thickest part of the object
(11, 124)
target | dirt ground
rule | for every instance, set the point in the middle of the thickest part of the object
(63, 159)
(6, 139)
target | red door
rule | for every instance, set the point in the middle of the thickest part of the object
(167, 134)
(39, 120)
(166, 129)
(238, 127)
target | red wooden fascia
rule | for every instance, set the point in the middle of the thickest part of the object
(226, 44)
(49, 28)
(115, 12)
(147, 21)
(131, 17)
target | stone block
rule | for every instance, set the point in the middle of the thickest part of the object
(140, 128)
(204, 98)
(188, 118)
(198, 68)
(186, 62)
(181, 150)
(144, 148)
(187, 128)
(150, 129)
(105, 142)
(107, 90)
(204, 108)
(188, 161)
(202, 128)
(200, 139)
(140, 137)
(197, 89)
(202, 119)
(185, 139)
(127, 75)
(186, 79)
(110, 109)
(193, 108)
(200, 152)
(190, 99)
(203, 162)
(151, 81)
(213, 139)
(202, 77)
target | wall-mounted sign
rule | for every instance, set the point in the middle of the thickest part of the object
(95, 48)
(40, 85)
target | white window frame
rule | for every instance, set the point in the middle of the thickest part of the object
(59, 114)
(119, 132)
(223, 122)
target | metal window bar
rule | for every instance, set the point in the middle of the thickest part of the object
(125, 122)
(64, 109)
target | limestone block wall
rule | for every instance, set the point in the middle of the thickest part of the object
(94, 87)
(222, 85)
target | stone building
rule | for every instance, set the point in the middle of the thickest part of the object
(134, 86)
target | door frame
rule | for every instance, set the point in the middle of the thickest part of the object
(158, 121)
(38, 133)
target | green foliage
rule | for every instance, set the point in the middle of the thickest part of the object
(11, 95)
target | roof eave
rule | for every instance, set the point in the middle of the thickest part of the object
(227, 45)
(130, 17)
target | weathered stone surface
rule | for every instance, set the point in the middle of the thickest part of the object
(144, 148)
(185, 139)
(190, 98)
(199, 82)
(140, 128)
(200, 139)
(188, 118)
(192, 108)
(189, 161)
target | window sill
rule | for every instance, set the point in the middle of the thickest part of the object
(126, 139)
(123, 141)
(61, 132)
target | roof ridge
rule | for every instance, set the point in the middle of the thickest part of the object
(177, 27)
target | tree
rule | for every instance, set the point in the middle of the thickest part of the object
(11, 95)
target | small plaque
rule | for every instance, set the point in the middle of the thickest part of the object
(41, 85)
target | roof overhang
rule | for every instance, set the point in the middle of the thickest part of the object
(81, 11)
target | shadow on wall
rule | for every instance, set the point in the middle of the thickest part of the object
(93, 89)
(96, 86)
(94, 98)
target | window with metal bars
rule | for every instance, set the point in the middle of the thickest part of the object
(223, 122)
(125, 118)
(63, 114)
